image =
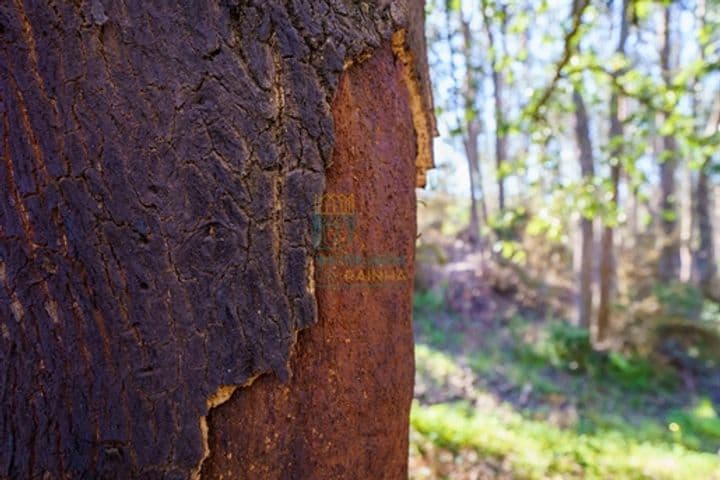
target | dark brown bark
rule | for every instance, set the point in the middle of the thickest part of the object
(669, 261)
(159, 170)
(587, 170)
(607, 242)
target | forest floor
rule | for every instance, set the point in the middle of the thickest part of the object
(506, 390)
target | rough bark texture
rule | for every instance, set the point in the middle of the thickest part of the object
(159, 169)
(344, 413)
(587, 169)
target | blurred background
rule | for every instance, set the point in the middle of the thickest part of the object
(566, 308)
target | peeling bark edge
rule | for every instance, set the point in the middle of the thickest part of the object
(221, 396)
(410, 46)
(420, 105)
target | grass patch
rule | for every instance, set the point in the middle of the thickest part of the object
(538, 450)
(698, 427)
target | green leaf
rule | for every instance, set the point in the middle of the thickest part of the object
(642, 9)
(669, 215)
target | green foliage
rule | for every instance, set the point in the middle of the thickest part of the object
(434, 364)
(428, 302)
(510, 250)
(430, 331)
(617, 432)
(697, 426)
(568, 348)
(428, 307)
(680, 299)
(509, 224)
(456, 217)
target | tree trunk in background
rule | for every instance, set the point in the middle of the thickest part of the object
(669, 261)
(500, 139)
(160, 171)
(704, 265)
(470, 142)
(500, 134)
(587, 169)
(607, 243)
(704, 256)
(704, 259)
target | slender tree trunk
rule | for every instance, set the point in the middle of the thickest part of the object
(500, 138)
(470, 143)
(587, 170)
(669, 261)
(471, 137)
(607, 242)
(635, 230)
(497, 81)
(704, 259)
(161, 164)
(704, 256)
(467, 120)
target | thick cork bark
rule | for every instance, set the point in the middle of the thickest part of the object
(160, 164)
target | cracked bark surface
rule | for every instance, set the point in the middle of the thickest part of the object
(159, 169)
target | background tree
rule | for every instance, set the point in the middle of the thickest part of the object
(635, 100)
(704, 258)
(497, 48)
(587, 169)
(669, 262)
(607, 242)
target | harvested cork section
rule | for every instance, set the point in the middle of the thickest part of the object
(344, 412)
